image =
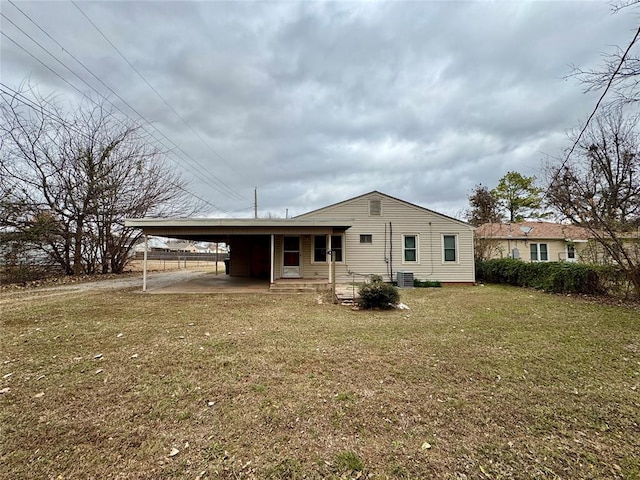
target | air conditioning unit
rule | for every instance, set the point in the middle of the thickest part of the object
(405, 279)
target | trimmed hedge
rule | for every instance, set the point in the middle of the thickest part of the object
(426, 283)
(557, 277)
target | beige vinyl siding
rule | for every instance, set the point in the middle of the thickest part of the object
(429, 227)
(305, 260)
(556, 249)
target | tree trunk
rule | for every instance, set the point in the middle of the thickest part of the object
(77, 247)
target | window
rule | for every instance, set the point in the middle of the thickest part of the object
(539, 252)
(375, 207)
(449, 243)
(336, 247)
(410, 248)
(571, 252)
(320, 248)
(366, 238)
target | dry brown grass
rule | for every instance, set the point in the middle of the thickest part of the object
(483, 382)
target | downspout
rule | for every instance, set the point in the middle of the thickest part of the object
(391, 251)
(144, 263)
(384, 252)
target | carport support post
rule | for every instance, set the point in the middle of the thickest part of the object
(333, 277)
(144, 263)
(272, 254)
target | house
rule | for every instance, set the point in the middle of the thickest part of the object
(153, 245)
(372, 234)
(536, 242)
(182, 246)
(211, 248)
(388, 235)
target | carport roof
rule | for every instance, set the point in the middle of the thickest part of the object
(221, 228)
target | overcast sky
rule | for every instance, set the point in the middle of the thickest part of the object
(316, 102)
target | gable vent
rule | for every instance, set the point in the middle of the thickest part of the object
(375, 207)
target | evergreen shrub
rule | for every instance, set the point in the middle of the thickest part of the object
(378, 294)
(556, 277)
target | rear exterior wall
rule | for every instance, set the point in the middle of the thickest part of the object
(387, 232)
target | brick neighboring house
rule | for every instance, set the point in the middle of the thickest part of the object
(537, 242)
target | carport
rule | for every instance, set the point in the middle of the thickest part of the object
(272, 249)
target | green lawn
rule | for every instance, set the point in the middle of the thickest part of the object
(474, 382)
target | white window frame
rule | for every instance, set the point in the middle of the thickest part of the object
(417, 249)
(456, 249)
(537, 245)
(328, 247)
(313, 249)
(566, 253)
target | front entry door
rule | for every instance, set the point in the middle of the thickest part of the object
(291, 257)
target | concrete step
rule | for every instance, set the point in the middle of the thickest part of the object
(298, 287)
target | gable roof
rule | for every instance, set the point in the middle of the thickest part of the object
(376, 192)
(539, 231)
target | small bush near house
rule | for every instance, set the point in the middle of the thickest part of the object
(426, 283)
(556, 277)
(378, 294)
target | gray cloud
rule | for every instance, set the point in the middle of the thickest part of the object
(316, 102)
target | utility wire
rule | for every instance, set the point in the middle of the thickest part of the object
(600, 100)
(225, 190)
(52, 115)
(217, 184)
(154, 90)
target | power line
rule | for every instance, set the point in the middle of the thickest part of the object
(217, 184)
(597, 106)
(53, 115)
(152, 88)
(42, 63)
(220, 185)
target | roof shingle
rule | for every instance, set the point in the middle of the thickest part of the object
(539, 230)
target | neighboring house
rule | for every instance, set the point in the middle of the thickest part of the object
(370, 234)
(536, 242)
(211, 248)
(182, 246)
(153, 245)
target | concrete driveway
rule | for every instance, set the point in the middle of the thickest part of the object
(204, 282)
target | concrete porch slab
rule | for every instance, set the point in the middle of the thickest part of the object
(207, 282)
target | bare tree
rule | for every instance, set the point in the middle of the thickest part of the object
(618, 77)
(598, 188)
(485, 207)
(77, 175)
